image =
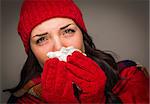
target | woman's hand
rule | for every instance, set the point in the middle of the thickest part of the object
(88, 76)
(56, 84)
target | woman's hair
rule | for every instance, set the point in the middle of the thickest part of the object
(32, 68)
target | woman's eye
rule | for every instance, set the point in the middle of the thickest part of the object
(69, 31)
(40, 40)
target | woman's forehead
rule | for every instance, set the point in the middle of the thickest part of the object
(53, 24)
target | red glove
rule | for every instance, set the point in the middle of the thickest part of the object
(88, 76)
(56, 85)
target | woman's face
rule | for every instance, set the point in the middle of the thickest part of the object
(52, 34)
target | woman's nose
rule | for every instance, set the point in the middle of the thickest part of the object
(57, 45)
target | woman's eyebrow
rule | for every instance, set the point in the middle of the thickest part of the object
(47, 32)
(65, 26)
(41, 34)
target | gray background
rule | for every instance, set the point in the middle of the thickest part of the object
(117, 25)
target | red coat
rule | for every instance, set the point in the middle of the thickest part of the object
(134, 88)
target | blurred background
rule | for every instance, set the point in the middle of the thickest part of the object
(120, 26)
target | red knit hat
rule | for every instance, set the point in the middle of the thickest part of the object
(33, 12)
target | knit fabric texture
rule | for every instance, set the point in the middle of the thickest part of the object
(34, 12)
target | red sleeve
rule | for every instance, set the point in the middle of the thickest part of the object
(133, 87)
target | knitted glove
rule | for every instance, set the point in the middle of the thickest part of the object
(56, 85)
(88, 76)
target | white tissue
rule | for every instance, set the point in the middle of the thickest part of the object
(63, 53)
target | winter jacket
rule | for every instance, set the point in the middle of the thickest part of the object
(132, 88)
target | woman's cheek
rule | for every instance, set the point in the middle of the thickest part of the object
(42, 61)
(41, 57)
(78, 44)
(75, 41)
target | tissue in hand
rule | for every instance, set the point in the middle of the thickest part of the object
(63, 53)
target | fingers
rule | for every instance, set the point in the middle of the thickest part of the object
(48, 74)
(61, 78)
(85, 63)
(82, 78)
(50, 64)
(79, 73)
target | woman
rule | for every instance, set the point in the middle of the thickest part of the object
(47, 26)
